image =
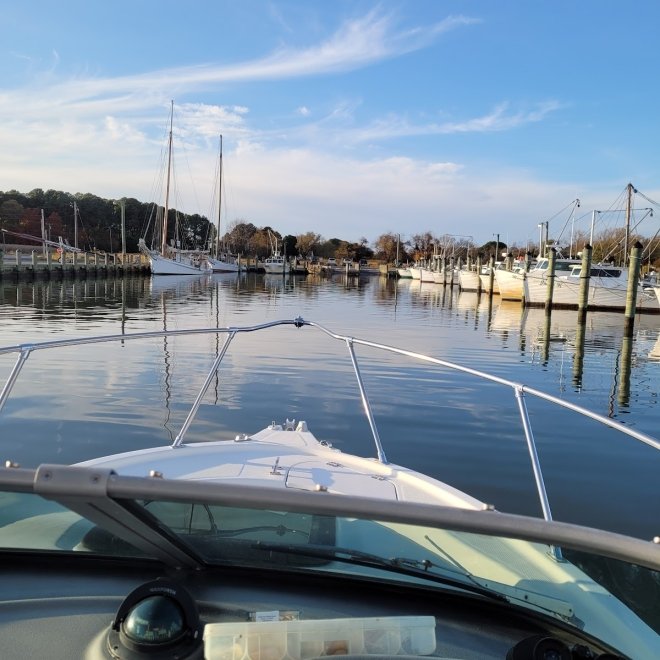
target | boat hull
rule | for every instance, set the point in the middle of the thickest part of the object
(469, 280)
(222, 266)
(163, 266)
(510, 284)
(601, 295)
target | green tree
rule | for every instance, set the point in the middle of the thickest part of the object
(11, 213)
(289, 243)
(239, 236)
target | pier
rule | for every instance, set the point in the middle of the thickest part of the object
(28, 264)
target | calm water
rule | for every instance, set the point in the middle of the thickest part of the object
(75, 404)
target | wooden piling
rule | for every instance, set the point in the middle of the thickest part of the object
(552, 256)
(491, 275)
(478, 273)
(585, 276)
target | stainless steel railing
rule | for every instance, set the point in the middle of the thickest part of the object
(519, 390)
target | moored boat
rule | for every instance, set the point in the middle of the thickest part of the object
(171, 259)
(469, 280)
(220, 261)
(276, 264)
(607, 290)
(510, 283)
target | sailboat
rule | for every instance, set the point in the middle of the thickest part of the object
(221, 262)
(171, 260)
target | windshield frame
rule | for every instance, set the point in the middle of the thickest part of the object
(97, 495)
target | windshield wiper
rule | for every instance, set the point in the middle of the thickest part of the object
(404, 566)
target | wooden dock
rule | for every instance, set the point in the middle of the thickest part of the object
(34, 264)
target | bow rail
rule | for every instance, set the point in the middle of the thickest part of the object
(519, 390)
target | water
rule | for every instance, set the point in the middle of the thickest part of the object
(75, 404)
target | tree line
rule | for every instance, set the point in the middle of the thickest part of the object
(97, 224)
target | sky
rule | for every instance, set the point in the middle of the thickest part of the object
(346, 118)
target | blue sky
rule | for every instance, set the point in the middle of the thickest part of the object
(349, 119)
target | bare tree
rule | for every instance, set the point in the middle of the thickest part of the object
(386, 247)
(308, 243)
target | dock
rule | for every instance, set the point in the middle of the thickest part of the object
(34, 264)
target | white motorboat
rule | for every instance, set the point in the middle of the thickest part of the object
(276, 264)
(471, 280)
(416, 272)
(274, 544)
(440, 276)
(427, 275)
(510, 282)
(607, 290)
(468, 280)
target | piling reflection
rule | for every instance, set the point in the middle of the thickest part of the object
(578, 356)
(625, 370)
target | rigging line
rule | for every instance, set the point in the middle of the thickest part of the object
(182, 147)
(576, 203)
(214, 202)
(647, 249)
(648, 199)
(560, 212)
(618, 202)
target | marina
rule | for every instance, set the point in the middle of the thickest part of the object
(300, 357)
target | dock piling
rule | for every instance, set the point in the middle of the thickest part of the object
(631, 294)
(552, 256)
(585, 275)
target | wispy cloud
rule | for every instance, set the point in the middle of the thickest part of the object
(357, 43)
(501, 120)
(92, 133)
(134, 105)
(340, 127)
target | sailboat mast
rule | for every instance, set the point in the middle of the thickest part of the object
(75, 224)
(163, 246)
(43, 232)
(628, 213)
(217, 237)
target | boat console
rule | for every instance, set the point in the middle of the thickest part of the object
(70, 609)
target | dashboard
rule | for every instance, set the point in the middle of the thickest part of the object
(82, 607)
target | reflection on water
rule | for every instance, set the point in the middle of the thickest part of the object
(462, 431)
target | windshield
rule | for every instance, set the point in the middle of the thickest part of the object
(570, 589)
